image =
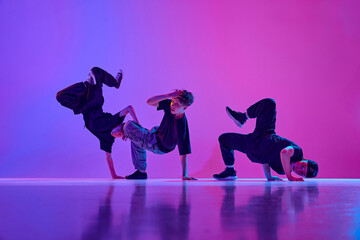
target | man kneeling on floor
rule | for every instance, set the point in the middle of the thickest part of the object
(172, 131)
(264, 146)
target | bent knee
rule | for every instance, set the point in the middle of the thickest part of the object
(270, 102)
(95, 69)
(223, 137)
(59, 96)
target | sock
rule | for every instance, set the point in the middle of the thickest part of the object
(117, 77)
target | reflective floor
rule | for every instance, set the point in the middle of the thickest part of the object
(172, 209)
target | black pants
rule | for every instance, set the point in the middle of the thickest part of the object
(265, 113)
(82, 97)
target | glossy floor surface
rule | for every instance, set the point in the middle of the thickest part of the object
(172, 209)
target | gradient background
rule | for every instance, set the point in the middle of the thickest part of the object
(304, 54)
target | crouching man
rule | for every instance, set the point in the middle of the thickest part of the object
(173, 131)
(264, 146)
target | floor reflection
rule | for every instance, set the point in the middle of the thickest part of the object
(265, 211)
(161, 218)
(168, 209)
(100, 227)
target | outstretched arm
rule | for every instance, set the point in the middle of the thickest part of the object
(285, 156)
(154, 101)
(111, 166)
(131, 110)
(267, 173)
(183, 159)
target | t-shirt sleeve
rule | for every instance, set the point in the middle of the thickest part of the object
(106, 146)
(277, 166)
(183, 138)
(164, 105)
(298, 154)
(120, 120)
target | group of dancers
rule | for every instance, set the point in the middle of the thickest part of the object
(262, 146)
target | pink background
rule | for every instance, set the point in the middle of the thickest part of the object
(304, 54)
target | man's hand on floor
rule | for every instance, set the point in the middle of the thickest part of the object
(117, 177)
(188, 178)
(273, 179)
(300, 179)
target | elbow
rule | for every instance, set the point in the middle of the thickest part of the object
(284, 152)
(148, 102)
(288, 151)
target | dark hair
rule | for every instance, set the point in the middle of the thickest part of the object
(312, 169)
(186, 98)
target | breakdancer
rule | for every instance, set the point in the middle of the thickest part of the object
(264, 146)
(87, 98)
(172, 131)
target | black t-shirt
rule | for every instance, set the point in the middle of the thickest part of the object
(101, 124)
(172, 131)
(266, 149)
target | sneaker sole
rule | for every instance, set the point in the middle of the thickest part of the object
(135, 178)
(93, 76)
(236, 121)
(120, 80)
(227, 178)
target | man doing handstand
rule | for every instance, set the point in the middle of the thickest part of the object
(87, 98)
(264, 146)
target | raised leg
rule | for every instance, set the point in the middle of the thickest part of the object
(73, 97)
(265, 113)
(102, 76)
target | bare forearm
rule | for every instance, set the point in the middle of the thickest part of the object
(267, 171)
(154, 101)
(124, 112)
(285, 156)
(185, 176)
(110, 163)
(285, 161)
(183, 159)
(133, 114)
(129, 109)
